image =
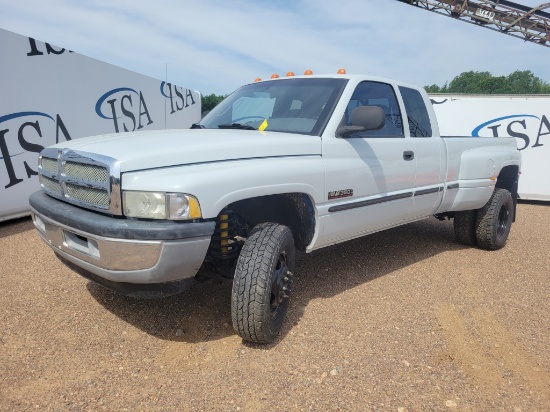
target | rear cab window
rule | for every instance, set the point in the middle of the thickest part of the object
(417, 114)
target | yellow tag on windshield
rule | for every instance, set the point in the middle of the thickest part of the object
(263, 126)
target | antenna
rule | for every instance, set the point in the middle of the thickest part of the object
(165, 82)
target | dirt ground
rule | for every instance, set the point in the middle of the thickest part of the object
(403, 320)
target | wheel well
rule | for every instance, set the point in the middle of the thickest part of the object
(508, 179)
(294, 210)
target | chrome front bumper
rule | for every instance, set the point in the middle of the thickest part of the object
(121, 250)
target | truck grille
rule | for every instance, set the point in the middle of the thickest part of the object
(50, 185)
(84, 179)
(88, 195)
(86, 172)
(49, 165)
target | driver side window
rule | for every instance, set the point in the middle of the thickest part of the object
(382, 95)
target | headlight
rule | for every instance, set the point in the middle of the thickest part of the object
(159, 205)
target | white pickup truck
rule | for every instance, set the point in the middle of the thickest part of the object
(291, 163)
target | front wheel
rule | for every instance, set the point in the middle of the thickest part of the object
(263, 282)
(494, 220)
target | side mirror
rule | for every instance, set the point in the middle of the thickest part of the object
(364, 118)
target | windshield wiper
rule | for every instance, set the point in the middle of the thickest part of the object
(197, 126)
(236, 126)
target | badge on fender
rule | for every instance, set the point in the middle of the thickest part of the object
(337, 194)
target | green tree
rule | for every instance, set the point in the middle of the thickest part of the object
(433, 88)
(472, 82)
(210, 101)
(526, 82)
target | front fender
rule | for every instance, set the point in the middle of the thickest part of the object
(218, 184)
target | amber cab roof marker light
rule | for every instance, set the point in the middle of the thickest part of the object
(308, 72)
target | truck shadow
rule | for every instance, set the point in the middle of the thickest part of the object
(203, 313)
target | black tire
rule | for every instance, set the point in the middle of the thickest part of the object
(465, 227)
(263, 282)
(494, 220)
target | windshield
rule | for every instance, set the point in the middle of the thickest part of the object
(301, 105)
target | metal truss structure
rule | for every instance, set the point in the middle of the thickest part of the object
(530, 24)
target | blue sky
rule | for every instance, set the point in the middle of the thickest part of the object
(215, 46)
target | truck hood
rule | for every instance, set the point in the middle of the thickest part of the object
(162, 148)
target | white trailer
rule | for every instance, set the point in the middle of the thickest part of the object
(50, 95)
(525, 117)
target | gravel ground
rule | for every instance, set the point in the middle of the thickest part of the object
(404, 320)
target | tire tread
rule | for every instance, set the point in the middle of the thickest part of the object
(486, 231)
(465, 227)
(250, 303)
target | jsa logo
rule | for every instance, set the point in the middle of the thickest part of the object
(520, 126)
(179, 98)
(36, 51)
(126, 105)
(24, 134)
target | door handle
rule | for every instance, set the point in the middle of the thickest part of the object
(408, 155)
